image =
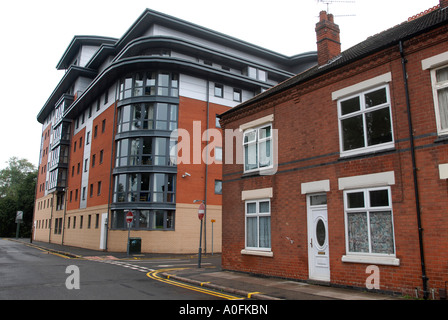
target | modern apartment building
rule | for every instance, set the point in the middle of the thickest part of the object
(112, 127)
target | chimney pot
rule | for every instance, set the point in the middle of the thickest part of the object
(328, 40)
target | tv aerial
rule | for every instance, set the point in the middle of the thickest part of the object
(331, 2)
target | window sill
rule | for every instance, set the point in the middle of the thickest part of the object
(389, 261)
(442, 138)
(365, 153)
(260, 253)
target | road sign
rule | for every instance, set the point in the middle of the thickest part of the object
(129, 217)
(19, 217)
(201, 211)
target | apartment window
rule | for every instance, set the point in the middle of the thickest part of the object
(145, 187)
(103, 125)
(83, 194)
(88, 138)
(369, 221)
(365, 122)
(144, 219)
(99, 188)
(217, 124)
(86, 165)
(147, 116)
(146, 151)
(258, 149)
(440, 89)
(93, 160)
(219, 90)
(149, 83)
(218, 153)
(97, 221)
(101, 156)
(237, 95)
(81, 222)
(89, 221)
(258, 224)
(91, 190)
(95, 131)
(218, 187)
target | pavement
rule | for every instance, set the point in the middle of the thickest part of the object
(212, 276)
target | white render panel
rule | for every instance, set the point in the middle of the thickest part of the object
(87, 53)
(443, 171)
(257, 194)
(316, 186)
(368, 180)
(382, 79)
(192, 87)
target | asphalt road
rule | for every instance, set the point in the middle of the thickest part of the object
(27, 273)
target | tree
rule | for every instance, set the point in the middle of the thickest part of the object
(17, 191)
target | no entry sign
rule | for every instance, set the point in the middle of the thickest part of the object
(201, 211)
(129, 217)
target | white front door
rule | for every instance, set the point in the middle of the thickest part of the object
(318, 249)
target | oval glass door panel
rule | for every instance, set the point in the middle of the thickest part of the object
(320, 233)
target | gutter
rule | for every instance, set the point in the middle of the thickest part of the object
(414, 169)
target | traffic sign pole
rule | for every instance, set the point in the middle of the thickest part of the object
(201, 213)
(129, 218)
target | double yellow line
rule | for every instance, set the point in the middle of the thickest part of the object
(155, 276)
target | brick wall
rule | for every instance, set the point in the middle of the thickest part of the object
(307, 120)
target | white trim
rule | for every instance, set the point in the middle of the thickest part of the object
(367, 181)
(389, 261)
(435, 61)
(256, 123)
(382, 79)
(316, 186)
(443, 171)
(256, 194)
(257, 253)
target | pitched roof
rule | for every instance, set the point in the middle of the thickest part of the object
(376, 43)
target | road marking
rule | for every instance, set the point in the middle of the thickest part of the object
(155, 276)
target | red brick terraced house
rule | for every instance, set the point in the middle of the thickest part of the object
(342, 178)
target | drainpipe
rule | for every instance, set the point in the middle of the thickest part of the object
(206, 167)
(414, 168)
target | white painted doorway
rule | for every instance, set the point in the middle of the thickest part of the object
(318, 247)
(103, 235)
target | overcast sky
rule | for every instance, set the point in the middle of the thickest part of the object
(34, 35)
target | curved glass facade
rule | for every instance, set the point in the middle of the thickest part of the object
(145, 156)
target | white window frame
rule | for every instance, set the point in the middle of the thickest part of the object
(258, 140)
(436, 86)
(369, 257)
(257, 215)
(363, 111)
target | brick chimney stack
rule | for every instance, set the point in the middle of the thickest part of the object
(443, 4)
(328, 41)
